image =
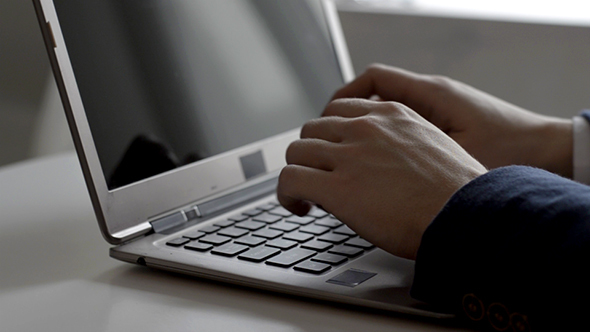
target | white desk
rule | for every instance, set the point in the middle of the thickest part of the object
(55, 274)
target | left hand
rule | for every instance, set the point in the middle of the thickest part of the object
(377, 166)
(492, 130)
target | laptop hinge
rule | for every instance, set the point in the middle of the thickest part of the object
(169, 221)
(214, 206)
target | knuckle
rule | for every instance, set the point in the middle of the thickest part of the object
(337, 103)
(292, 151)
(332, 107)
(282, 188)
(376, 68)
(336, 106)
(366, 122)
(439, 83)
(286, 177)
(306, 127)
(309, 127)
(363, 126)
(391, 107)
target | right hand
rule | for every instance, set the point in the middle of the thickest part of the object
(379, 167)
(495, 132)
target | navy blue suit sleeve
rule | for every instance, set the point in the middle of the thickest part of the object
(510, 250)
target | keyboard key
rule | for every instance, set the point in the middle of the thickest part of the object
(314, 229)
(359, 243)
(345, 230)
(284, 226)
(328, 222)
(317, 245)
(330, 259)
(298, 236)
(225, 223)
(300, 220)
(177, 242)
(193, 235)
(280, 211)
(312, 267)
(252, 212)
(233, 232)
(281, 244)
(268, 233)
(230, 249)
(198, 246)
(250, 240)
(291, 257)
(238, 217)
(266, 207)
(250, 225)
(259, 254)
(215, 239)
(209, 229)
(317, 213)
(267, 218)
(346, 251)
(333, 238)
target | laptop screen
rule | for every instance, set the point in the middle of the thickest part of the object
(166, 83)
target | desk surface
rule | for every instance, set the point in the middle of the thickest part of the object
(55, 274)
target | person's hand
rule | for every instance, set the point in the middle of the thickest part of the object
(495, 132)
(379, 167)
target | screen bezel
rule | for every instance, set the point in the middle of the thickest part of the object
(125, 212)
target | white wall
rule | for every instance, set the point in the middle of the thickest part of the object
(543, 68)
(23, 70)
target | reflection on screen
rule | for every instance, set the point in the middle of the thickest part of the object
(169, 82)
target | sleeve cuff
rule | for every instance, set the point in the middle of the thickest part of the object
(582, 148)
(516, 238)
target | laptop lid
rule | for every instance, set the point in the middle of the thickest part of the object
(173, 102)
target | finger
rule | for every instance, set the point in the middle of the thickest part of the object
(312, 152)
(388, 83)
(350, 108)
(326, 128)
(300, 185)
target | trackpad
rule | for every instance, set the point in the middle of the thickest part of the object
(351, 278)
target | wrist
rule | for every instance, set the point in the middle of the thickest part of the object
(555, 146)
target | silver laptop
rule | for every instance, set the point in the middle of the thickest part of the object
(181, 112)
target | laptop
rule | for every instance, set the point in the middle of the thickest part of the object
(181, 112)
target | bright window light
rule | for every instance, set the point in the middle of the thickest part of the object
(562, 11)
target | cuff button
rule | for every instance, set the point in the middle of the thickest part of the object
(499, 317)
(519, 323)
(473, 307)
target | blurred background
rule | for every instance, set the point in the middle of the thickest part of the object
(534, 54)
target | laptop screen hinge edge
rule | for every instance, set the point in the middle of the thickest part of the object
(170, 221)
(133, 232)
(229, 201)
(203, 210)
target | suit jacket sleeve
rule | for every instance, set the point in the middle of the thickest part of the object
(581, 140)
(511, 251)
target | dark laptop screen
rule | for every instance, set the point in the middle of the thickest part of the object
(168, 82)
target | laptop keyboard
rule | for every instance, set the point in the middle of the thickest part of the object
(270, 234)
